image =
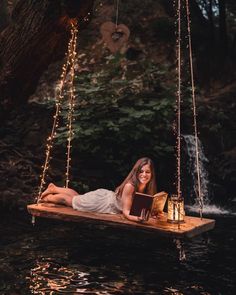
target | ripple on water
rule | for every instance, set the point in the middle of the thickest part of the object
(65, 258)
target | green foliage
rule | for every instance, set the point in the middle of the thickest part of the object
(120, 116)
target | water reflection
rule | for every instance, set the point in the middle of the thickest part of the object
(49, 276)
(180, 247)
(65, 258)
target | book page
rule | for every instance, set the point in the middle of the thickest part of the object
(159, 201)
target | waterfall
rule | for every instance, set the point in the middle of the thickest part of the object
(192, 169)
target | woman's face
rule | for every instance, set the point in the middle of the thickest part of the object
(145, 174)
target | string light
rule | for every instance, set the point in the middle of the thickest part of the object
(177, 123)
(200, 197)
(177, 127)
(71, 103)
(178, 101)
(69, 63)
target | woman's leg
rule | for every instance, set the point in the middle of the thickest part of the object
(58, 199)
(53, 189)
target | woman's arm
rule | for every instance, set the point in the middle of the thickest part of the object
(127, 198)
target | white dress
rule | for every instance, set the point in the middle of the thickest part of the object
(100, 201)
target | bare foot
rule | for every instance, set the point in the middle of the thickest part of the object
(42, 200)
(45, 199)
(50, 190)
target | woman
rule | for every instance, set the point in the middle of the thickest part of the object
(140, 179)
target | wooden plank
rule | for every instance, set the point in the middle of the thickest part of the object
(192, 226)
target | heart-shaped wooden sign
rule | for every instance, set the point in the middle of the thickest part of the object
(114, 36)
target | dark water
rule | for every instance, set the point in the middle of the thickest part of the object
(68, 258)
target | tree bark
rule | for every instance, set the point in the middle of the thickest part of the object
(212, 24)
(4, 16)
(223, 27)
(37, 35)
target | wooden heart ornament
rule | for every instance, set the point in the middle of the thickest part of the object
(114, 36)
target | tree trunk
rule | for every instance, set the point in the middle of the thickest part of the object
(212, 25)
(4, 16)
(37, 35)
(223, 28)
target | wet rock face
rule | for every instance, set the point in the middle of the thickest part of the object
(222, 177)
(217, 126)
(225, 165)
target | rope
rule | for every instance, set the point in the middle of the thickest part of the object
(200, 198)
(71, 105)
(178, 106)
(179, 102)
(71, 54)
(117, 12)
(50, 139)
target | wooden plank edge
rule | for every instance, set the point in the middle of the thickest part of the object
(198, 230)
(121, 222)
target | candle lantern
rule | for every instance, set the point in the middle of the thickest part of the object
(175, 209)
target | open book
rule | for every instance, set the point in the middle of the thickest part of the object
(146, 204)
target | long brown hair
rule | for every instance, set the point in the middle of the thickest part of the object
(133, 178)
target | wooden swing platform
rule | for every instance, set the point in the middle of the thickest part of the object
(192, 226)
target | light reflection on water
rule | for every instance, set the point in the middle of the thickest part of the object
(48, 276)
(66, 258)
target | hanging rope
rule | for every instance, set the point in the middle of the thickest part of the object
(70, 60)
(71, 104)
(178, 105)
(117, 12)
(179, 101)
(179, 93)
(200, 197)
(50, 139)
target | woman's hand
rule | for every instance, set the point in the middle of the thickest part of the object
(144, 216)
(127, 198)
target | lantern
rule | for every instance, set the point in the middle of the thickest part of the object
(175, 209)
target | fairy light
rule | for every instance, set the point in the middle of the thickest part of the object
(86, 18)
(178, 105)
(177, 123)
(179, 101)
(200, 197)
(50, 140)
(58, 102)
(178, 119)
(71, 103)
